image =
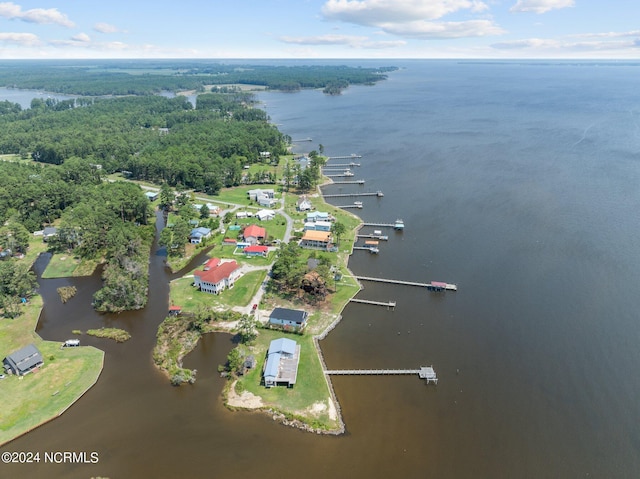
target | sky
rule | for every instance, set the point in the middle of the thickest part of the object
(310, 29)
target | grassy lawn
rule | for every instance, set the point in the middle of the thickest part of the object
(275, 228)
(64, 265)
(311, 387)
(183, 294)
(39, 397)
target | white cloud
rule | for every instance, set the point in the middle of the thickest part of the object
(348, 40)
(105, 28)
(81, 37)
(422, 29)
(541, 6)
(23, 39)
(413, 18)
(374, 12)
(632, 33)
(35, 15)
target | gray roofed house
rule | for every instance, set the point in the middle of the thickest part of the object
(288, 318)
(49, 232)
(24, 360)
(281, 366)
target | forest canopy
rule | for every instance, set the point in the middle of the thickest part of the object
(145, 77)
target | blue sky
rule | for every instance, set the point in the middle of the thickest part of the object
(320, 29)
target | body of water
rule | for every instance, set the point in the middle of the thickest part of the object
(517, 181)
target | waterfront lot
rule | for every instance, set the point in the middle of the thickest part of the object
(41, 396)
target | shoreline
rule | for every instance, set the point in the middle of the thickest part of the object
(248, 401)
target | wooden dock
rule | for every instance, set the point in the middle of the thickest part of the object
(388, 304)
(343, 157)
(341, 165)
(301, 139)
(434, 284)
(424, 372)
(344, 195)
(378, 237)
(367, 248)
(349, 182)
(351, 206)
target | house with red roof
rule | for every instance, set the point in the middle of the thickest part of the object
(211, 263)
(254, 234)
(218, 278)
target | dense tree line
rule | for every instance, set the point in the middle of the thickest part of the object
(123, 77)
(154, 138)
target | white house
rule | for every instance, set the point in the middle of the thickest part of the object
(304, 204)
(263, 215)
(217, 278)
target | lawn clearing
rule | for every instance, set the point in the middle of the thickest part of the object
(36, 398)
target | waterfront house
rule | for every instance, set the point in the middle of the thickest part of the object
(317, 226)
(23, 361)
(281, 366)
(198, 234)
(316, 239)
(288, 318)
(313, 216)
(253, 234)
(217, 279)
(256, 250)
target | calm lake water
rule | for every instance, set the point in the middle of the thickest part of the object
(519, 182)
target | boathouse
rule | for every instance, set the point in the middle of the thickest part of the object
(23, 361)
(281, 366)
(288, 318)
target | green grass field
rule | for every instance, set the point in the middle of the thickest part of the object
(65, 265)
(183, 294)
(41, 396)
(310, 389)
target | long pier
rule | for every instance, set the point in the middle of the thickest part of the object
(343, 157)
(341, 175)
(341, 165)
(351, 206)
(344, 195)
(388, 304)
(378, 237)
(301, 139)
(424, 372)
(436, 286)
(349, 182)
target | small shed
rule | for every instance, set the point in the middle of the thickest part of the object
(175, 310)
(23, 361)
(71, 343)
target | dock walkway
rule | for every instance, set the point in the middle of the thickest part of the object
(388, 304)
(425, 372)
(447, 286)
(344, 195)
